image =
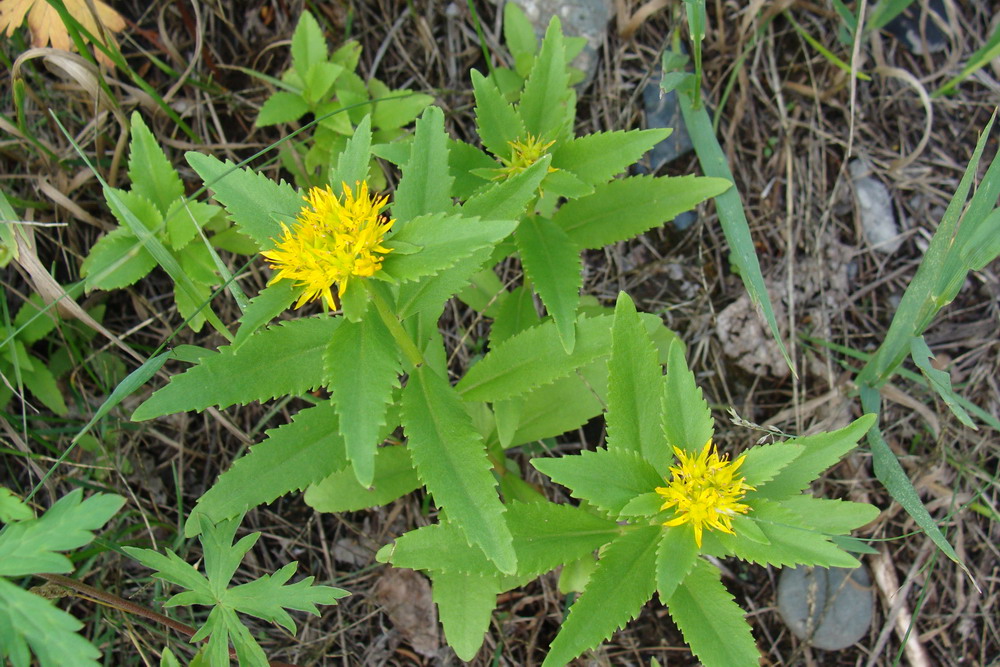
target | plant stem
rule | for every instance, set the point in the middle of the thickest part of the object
(410, 349)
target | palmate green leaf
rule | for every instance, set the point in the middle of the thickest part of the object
(686, 419)
(431, 293)
(627, 207)
(712, 623)
(635, 385)
(451, 459)
(547, 535)
(465, 604)
(676, 556)
(939, 380)
(30, 546)
(12, 508)
(42, 384)
(34, 320)
(363, 349)
(222, 627)
(425, 186)
(606, 478)
(394, 477)
(292, 457)
(596, 158)
(819, 452)
(268, 596)
(790, 540)
(553, 265)
(544, 106)
(184, 218)
(830, 516)
(763, 462)
(496, 121)
(508, 199)
(353, 163)
(281, 107)
(32, 624)
(151, 173)
(622, 583)
(117, 260)
(441, 241)
(731, 213)
(273, 300)
(256, 203)
(276, 361)
(533, 358)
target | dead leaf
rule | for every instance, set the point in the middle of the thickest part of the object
(47, 27)
(406, 597)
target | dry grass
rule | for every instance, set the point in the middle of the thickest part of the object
(786, 126)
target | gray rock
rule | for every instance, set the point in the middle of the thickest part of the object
(580, 18)
(875, 207)
(831, 608)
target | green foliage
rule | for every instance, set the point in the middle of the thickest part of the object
(159, 225)
(28, 623)
(325, 85)
(266, 598)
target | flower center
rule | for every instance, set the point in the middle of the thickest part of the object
(331, 240)
(705, 491)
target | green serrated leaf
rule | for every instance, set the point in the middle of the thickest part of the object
(465, 604)
(830, 516)
(554, 267)
(34, 320)
(819, 452)
(451, 459)
(425, 185)
(496, 121)
(518, 31)
(395, 108)
(256, 203)
(272, 301)
(544, 105)
(622, 583)
(184, 218)
(393, 478)
(151, 173)
(441, 547)
(30, 546)
(117, 260)
(276, 361)
(42, 384)
(12, 508)
(596, 158)
(676, 556)
(516, 314)
(442, 240)
(363, 349)
(430, 294)
(712, 623)
(635, 383)
(564, 405)
(687, 421)
(292, 457)
(354, 161)
(624, 208)
(790, 540)
(607, 479)
(308, 44)
(763, 462)
(507, 199)
(547, 535)
(281, 107)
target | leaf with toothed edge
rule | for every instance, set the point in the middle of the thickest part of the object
(276, 361)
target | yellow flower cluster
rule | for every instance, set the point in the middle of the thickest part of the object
(705, 490)
(331, 241)
(523, 154)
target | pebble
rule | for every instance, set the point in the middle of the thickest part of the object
(875, 207)
(831, 608)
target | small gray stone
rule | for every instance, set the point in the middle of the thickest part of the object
(831, 608)
(580, 18)
(664, 110)
(906, 28)
(875, 206)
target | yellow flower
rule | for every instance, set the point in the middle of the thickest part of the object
(331, 241)
(523, 154)
(46, 25)
(705, 490)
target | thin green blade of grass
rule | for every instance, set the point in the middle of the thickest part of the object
(823, 51)
(885, 11)
(731, 215)
(981, 58)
